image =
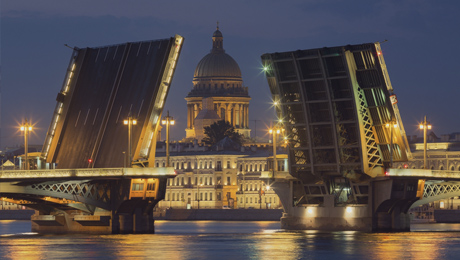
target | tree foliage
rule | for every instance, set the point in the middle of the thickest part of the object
(219, 130)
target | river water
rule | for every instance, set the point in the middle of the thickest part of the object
(232, 240)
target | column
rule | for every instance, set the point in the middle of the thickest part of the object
(247, 110)
(234, 115)
(189, 120)
(228, 115)
(243, 123)
(240, 114)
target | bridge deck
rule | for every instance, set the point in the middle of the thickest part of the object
(425, 174)
(93, 173)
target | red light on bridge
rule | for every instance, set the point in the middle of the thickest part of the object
(379, 53)
(387, 173)
(90, 160)
(406, 166)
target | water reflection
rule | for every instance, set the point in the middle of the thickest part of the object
(233, 240)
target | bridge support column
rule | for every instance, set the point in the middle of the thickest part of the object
(136, 223)
(143, 223)
(391, 200)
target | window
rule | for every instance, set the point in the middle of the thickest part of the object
(150, 186)
(182, 165)
(255, 167)
(210, 181)
(201, 165)
(182, 181)
(241, 167)
(228, 164)
(206, 165)
(158, 164)
(228, 181)
(210, 165)
(210, 196)
(205, 196)
(189, 165)
(173, 196)
(138, 186)
(250, 168)
(246, 167)
(164, 164)
(189, 181)
(201, 195)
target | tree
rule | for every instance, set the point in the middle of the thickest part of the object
(218, 131)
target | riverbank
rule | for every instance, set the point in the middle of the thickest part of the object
(16, 214)
(221, 214)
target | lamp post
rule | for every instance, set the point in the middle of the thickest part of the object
(26, 127)
(391, 125)
(167, 120)
(198, 193)
(275, 131)
(130, 122)
(424, 125)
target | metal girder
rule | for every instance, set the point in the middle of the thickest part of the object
(438, 190)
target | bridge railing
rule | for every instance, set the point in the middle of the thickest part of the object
(165, 172)
(435, 174)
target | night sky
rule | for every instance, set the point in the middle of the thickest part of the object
(421, 53)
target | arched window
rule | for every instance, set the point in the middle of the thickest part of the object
(452, 168)
(441, 168)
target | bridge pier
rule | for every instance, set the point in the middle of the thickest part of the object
(386, 210)
(135, 223)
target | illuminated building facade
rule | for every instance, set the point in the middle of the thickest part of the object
(217, 94)
(217, 179)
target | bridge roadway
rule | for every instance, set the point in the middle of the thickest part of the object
(424, 174)
(95, 200)
(86, 173)
(387, 199)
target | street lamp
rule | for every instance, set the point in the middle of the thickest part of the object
(424, 125)
(167, 120)
(130, 122)
(275, 131)
(26, 128)
(198, 193)
(391, 125)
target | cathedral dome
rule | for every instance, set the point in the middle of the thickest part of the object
(217, 64)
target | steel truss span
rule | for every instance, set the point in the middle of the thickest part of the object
(104, 86)
(335, 104)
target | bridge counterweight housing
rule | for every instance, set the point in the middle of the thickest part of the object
(335, 104)
(93, 184)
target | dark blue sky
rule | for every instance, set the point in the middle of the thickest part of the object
(421, 53)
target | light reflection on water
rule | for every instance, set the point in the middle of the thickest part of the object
(232, 240)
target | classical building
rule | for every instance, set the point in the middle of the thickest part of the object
(218, 93)
(217, 179)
